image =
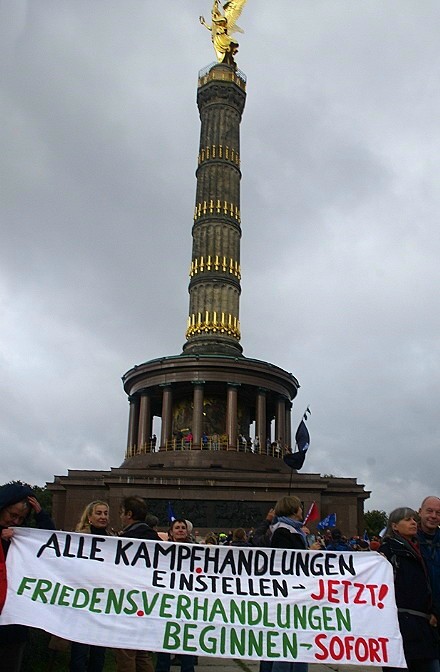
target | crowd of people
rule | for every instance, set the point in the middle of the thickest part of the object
(410, 542)
(245, 444)
(330, 539)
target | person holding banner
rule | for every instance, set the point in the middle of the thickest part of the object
(17, 502)
(85, 657)
(287, 532)
(133, 512)
(179, 533)
(418, 624)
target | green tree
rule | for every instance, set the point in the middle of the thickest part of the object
(375, 521)
(44, 496)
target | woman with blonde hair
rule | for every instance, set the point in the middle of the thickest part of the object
(85, 657)
(94, 518)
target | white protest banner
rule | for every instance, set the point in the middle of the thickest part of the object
(255, 603)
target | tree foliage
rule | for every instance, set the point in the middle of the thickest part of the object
(375, 521)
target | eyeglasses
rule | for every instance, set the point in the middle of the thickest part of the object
(16, 517)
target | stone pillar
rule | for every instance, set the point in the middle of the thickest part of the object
(260, 419)
(231, 414)
(280, 421)
(133, 421)
(268, 433)
(167, 415)
(145, 425)
(197, 421)
(289, 424)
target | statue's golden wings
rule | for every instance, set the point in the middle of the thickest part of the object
(232, 10)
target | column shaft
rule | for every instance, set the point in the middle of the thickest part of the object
(197, 426)
(231, 415)
(289, 425)
(280, 422)
(167, 415)
(260, 420)
(133, 421)
(144, 433)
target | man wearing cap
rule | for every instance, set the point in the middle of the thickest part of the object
(17, 501)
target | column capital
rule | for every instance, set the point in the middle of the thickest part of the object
(198, 382)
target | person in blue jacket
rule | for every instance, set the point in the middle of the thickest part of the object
(428, 535)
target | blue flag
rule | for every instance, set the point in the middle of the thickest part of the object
(171, 515)
(302, 439)
(329, 521)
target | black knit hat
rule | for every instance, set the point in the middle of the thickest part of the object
(13, 493)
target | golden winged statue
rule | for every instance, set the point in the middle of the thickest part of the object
(222, 27)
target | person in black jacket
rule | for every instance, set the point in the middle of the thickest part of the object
(239, 538)
(287, 532)
(17, 503)
(418, 624)
(133, 511)
(287, 524)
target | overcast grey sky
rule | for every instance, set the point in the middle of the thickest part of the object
(340, 209)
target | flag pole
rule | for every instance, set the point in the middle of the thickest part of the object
(309, 512)
(307, 411)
